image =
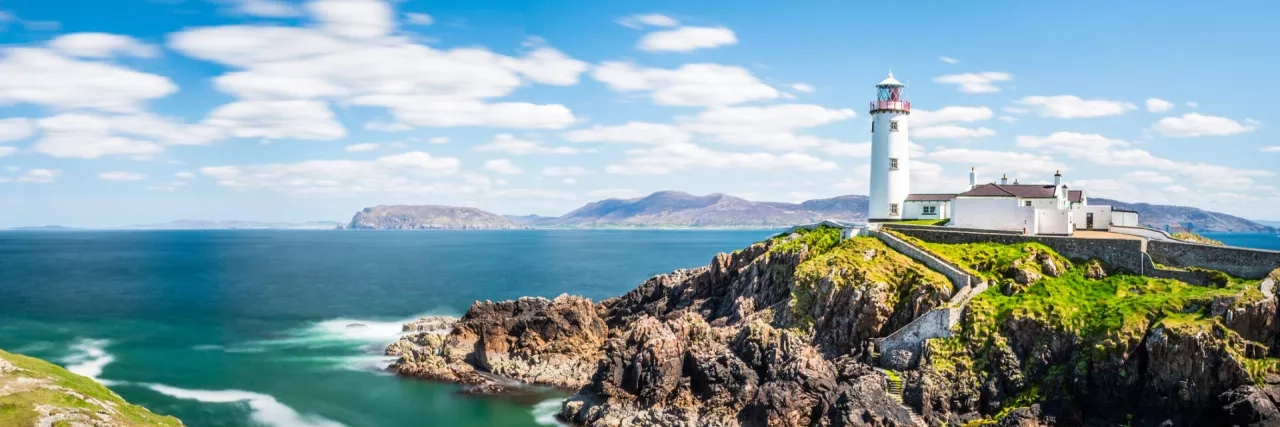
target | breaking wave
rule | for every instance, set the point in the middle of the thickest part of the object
(264, 409)
(544, 413)
(88, 358)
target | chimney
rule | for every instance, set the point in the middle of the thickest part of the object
(973, 179)
(1015, 181)
(1057, 178)
(1004, 179)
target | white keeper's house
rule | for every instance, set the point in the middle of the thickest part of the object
(1029, 208)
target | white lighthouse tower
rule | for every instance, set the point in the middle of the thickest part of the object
(890, 162)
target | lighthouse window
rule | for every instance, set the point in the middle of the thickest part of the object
(873, 127)
(893, 164)
(893, 126)
(893, 209)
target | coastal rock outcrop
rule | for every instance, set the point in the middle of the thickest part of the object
(428, 217)
(783, 333)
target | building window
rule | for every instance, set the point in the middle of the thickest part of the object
(1028, 203)
(893, 209)
(893, 164)
(930, 210)
(873, 127)
(893, 126)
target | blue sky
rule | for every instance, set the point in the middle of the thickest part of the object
(137, 111)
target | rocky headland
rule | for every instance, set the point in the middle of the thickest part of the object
(782, 333)
(38, 393)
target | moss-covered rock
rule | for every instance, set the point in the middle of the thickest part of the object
(38, 393)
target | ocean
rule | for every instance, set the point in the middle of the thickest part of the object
(1248, 240)
(250, 328)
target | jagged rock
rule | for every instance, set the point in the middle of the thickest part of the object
(1094, 270)
(898, 359)
(430, 324)
(1048, 266)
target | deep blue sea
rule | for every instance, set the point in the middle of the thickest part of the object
(1257, 241)
(236, 328)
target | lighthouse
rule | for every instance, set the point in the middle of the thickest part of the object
(890, 162)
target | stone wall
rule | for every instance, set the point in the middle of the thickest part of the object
(959, 279)
(1239, 262)
(907, 341)
(1121, 253)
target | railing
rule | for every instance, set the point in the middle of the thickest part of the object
(891, 105)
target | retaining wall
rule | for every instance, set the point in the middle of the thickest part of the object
(1149, 233)
(959, 279)
(936, 323)
(1239, 262)
(1122, 253)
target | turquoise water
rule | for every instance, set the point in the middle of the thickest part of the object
(235, 328)
(1256, 241)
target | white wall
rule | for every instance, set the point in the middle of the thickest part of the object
(1054, 221)
(993, 213)
(915, 210)
(1102, 217)
(1126, 219)
(889, 186)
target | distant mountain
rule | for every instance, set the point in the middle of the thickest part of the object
(190, 224)
(678, 209)
(532, 220)
(429, 217)
(1192, 219)
(1275, 224)
(43, 228)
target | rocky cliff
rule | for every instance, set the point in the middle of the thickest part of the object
(37, 393)
(428, 217)
(781, 333)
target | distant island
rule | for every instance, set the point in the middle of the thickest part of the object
(429, 217)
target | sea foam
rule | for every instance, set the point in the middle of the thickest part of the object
(265, 409)
(544, 413)
(88, 358)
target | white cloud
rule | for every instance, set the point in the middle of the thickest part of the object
(419, 85)
(412, 173)
(7, 151)
(948, 59)
(121, 176)
(631, 132)
(690, 85)
(507, 143)
(40, 176)
(40, 76)
(612, 193)
(1070, 106)
(649, 19)
(503, 166)
(1192, 124)
(1071, 142)
(1103, 151)
(924, 118)
(88, 137)
(534, 193)
(1193, 104)
(419, 18)
(951, 132)
(975, 82)
(438, 140)
(357, 19)
(386, 126)
(1157, 105)
(1176, 189)
(1148, 176)
(669, 158)
(998, 162)
(569, 181)
(185, 175)
(16, 129)
(1007, 119)
(802, 87)
(277, 120)
(102, 45)
(1271, 149)
(565, 171)
(772, 126)
(367, 146)
(266, 8)
(687, 39)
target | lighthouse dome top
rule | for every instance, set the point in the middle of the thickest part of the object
(890, 81)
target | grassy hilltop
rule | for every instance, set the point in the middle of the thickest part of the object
(34, 392)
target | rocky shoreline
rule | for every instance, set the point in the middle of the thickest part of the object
(780, 334)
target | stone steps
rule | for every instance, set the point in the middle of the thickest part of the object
(895, 392)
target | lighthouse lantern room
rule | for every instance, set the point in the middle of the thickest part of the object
(890, 157)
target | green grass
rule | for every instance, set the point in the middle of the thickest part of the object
(17, 409)
(1196, 238)
(818, 240)
(1104, 316)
